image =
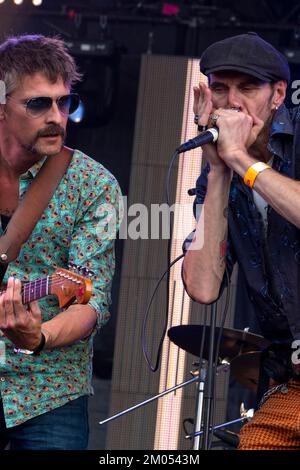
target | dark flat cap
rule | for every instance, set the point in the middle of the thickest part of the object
(247, 53)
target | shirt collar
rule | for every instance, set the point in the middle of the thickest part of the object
(281, 134)
(282, 123)
(33, 171)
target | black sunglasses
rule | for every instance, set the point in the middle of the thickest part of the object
(39, 105)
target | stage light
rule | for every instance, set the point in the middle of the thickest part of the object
(37, 3)
(2, 1)
(78, 115)
(18, 2)
(170, 9)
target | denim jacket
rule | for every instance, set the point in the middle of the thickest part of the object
(270, 261)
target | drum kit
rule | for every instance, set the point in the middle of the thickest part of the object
(239, 350)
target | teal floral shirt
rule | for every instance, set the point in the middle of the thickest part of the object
(74, 229)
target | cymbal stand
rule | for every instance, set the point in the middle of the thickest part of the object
(139, 405)
(245, 416)
(199, 411)
(210, 381)
(195, 378)
(222, 367)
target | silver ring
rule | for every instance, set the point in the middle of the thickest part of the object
(202, 128)
(196, 119)
(214, 117)
(233, 108)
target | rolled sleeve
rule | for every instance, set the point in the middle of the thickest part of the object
(93, 241)
(201, 189)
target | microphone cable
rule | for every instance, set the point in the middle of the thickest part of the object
(152, 367)
(217, 351)
(170, 264)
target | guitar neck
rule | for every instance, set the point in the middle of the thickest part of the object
(37, 289)
(34, 290)
(67, 286)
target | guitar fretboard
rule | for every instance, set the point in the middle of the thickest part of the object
(66, 285)
(35, 290)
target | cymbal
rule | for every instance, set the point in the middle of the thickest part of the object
(245, 369)
(233, 342)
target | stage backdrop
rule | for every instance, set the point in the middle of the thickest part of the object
(164, 119)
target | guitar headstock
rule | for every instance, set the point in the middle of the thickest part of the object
(68, 285)
(82, 270)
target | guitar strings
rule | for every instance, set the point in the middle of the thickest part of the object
(54, 278)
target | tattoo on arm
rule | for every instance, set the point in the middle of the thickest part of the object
(223, 243)
(223, 249)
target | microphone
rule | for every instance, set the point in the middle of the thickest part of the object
(206, 137)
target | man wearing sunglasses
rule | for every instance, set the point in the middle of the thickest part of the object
(45, 374)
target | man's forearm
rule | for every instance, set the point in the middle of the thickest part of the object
(279, 191)
(204, 262)
(73, 324)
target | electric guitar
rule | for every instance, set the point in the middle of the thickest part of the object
(66, 285)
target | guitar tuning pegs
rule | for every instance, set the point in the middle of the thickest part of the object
(82, 270)
(72, 267)
(91, 274)
(75, 268)
(88, 272)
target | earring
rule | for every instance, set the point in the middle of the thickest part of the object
(276, 107)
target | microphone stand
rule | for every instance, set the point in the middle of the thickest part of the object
(198, 377)
(204, 402)
(199, 405)
(210, 382)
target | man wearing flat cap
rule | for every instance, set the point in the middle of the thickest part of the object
(249, 199)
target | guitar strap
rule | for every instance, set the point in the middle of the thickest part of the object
(4, 222)
(31, 207)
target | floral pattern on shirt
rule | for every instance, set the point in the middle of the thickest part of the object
(68, 231)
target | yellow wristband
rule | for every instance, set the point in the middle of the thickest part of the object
(253, 171)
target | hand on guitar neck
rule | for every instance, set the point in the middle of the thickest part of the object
(20, 315)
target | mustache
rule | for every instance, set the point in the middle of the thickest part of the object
(52, 130)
